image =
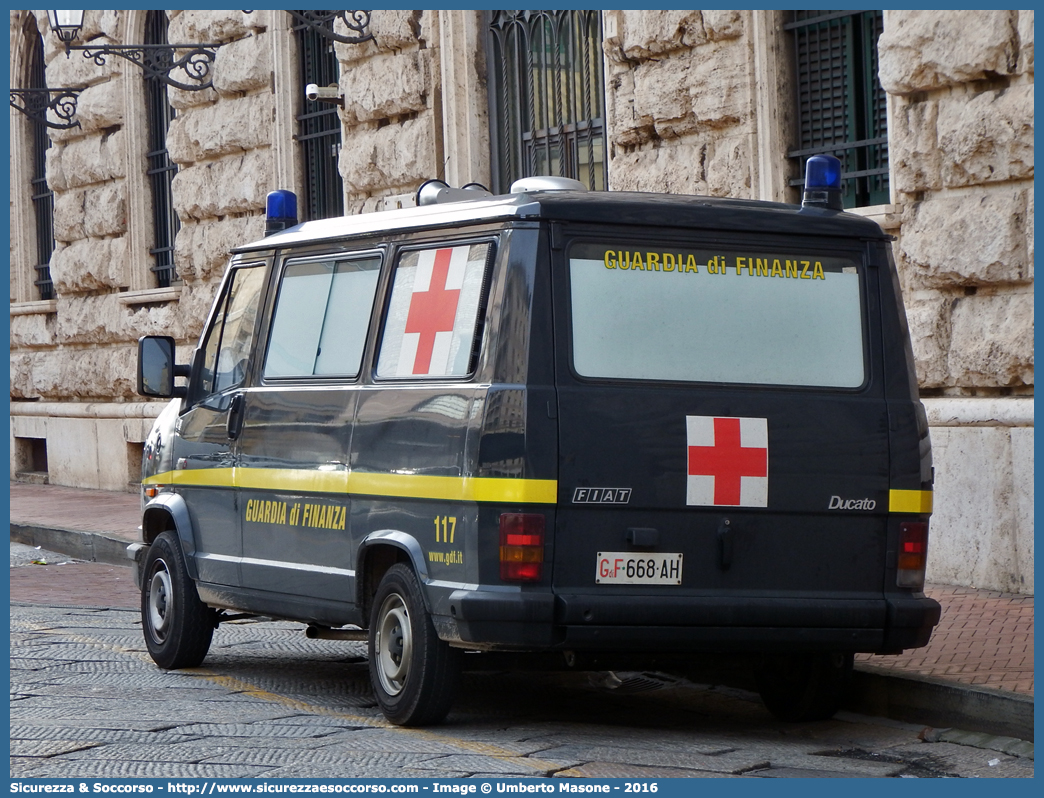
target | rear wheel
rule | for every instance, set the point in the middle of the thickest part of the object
(178, 627)
(801, 687)
(414, 673)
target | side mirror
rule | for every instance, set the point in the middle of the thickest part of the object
(156, 369)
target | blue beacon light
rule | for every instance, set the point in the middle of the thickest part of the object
(280, 211)
(823, 183)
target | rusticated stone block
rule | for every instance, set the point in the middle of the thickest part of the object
(678, 169)
(624, 126)
(992, 340)
(913, 147)
(967, 240)
(100, 106)
(233, 184)
(180, 99)
(380, 159)
(201, 250)
(167, 318)
(91, 319)
(33, 330)
(96, 212)
(76, 70)
(244, 65)
(386, 86)
(926, 50)
(646, 34)
(100, 373)
(1026, 42)
(728, 168)
(928, 314)
(392, 29)
(724, 24)
(101, 23)
(230, 126)
(695, 91)
(105, 210)
(988, 138)
(92, 159)
(20, 377)
(212, 26)
(194, 307)
(68, 216)
(89, 264)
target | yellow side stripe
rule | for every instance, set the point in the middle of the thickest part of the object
(415, 486)
(411, 486)
(910, 501)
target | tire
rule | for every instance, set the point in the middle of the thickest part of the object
(178, 627)
(804, 687)
(414, 673)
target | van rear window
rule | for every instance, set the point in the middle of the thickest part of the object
(730, 315)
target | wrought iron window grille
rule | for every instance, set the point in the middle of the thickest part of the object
(841, 106)
(547, 106)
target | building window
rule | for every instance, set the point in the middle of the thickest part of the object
(546, 96)
(841, 108)
(160, 169)
(319, 127)
(42, 197)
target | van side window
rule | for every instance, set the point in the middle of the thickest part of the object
(227, 342)
(321, 317)
(434, 312)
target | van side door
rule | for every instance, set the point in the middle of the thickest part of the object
(292, 452)
(203, 457)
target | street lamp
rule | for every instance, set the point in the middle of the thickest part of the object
(66, 25)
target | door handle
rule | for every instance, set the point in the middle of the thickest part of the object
(234, 424)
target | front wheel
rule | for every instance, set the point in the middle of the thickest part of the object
(414, 673)
(803, 687)
(178, 627)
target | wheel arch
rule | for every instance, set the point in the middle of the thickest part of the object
(168, 511)
(378, 552)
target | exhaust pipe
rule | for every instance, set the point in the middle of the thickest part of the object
(314, 632)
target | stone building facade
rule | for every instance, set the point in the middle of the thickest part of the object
(696, 102)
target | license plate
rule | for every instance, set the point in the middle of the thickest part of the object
(631, 568)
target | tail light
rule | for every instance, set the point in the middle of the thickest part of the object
(913, 554)
(521, 547)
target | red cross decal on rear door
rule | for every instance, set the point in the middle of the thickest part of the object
(432, 311)
(727, 461)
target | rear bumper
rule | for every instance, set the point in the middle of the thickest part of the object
(544, 621)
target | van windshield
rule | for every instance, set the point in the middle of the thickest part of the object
(731, 315)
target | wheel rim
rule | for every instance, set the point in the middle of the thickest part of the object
(394, 644)
(161, 602)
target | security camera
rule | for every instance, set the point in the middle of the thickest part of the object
(328, 94)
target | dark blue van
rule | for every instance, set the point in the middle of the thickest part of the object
(587, 426)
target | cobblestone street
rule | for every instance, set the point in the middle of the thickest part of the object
(88, 702)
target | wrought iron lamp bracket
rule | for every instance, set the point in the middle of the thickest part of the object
(35, 103)
(159, 60)
(322, 23)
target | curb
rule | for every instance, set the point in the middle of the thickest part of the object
(914, 698)
(89, 546)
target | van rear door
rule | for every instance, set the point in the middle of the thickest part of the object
(723, 437)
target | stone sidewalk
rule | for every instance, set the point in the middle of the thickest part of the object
(977, 671)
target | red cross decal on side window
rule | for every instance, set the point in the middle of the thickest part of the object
(432, 311)
(727, 461)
